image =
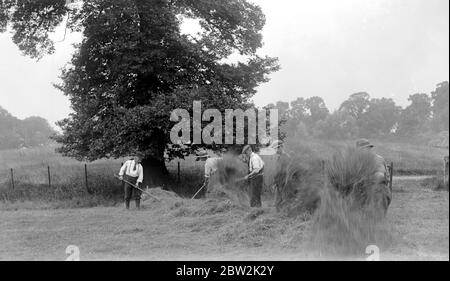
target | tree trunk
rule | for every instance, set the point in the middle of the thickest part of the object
(155, 172)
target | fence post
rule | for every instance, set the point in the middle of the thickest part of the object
(178, 171)
(391, 175)
(86, 179)
(49, 178)
(12, 178)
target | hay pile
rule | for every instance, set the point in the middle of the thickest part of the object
(352, 207)
(167, 198)
(300, 191)
(227, 182)
(329, 213)
(352, 173)
(339, 229)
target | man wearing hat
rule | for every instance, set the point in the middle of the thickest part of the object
(133, 172)
(255, 175)
(382, 173)
(211, 166)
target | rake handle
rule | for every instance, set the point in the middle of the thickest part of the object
(201, 188)
(135, 186)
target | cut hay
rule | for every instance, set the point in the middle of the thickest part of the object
(340, 230)
(353, 173)
(299, 183)
(230, 169)
(227, 181)
(159, 193)
(351, 169)
(352, 207)
(264, 228)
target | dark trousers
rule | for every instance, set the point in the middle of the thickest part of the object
(255, 190)
(130, 191)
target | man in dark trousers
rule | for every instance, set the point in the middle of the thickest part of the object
(255, 175)
(133, 172)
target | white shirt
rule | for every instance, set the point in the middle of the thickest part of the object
(211, 166)
(255, 163)
(132, 170)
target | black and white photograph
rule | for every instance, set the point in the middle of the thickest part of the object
(224, 136)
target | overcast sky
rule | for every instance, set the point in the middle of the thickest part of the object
(327, 48)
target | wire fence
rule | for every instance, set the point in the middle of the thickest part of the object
(65, 181)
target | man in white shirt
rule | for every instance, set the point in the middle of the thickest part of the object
(255, 175)
(133, 172)
(211, 166)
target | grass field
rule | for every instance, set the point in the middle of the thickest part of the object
(408, 159)
(38, 222)
(68, 186)
(182, 229)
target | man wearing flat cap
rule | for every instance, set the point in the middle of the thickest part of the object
(382, 173)
(211, 166)
(255, 175)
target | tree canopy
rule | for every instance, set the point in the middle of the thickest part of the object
(29, 132)
(363, 116)
(135, 65)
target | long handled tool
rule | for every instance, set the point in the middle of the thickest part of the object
(204, 185)
(135, 186)
(201, 188)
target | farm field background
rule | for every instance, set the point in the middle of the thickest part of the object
(30, 168)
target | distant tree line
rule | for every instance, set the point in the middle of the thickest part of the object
(29, 132)
(363, 116)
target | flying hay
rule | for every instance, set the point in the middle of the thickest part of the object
(352, 207)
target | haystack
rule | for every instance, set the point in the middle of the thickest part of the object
(227, 181)
(352, 173)
(300, 191)
(352, 206)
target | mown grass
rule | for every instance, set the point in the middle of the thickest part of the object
(182, 229)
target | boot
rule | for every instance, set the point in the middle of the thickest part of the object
(127, 204)
(138, 204)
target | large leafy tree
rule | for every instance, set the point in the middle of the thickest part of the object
(380, 118)
(29, 132)
(134, 66)
(414, 119)
(356, 105)
(317, 110)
